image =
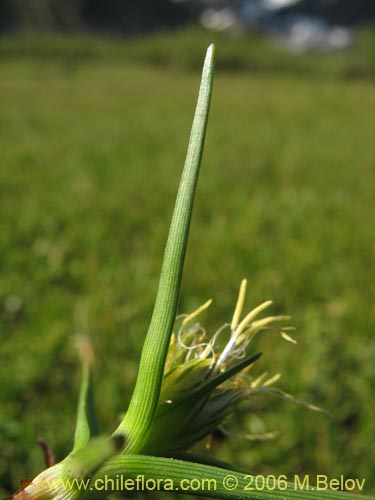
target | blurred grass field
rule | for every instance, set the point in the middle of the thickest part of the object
(92, 146)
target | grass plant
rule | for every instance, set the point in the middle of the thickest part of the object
(57, 258)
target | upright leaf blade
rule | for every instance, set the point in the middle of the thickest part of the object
(139, 417)
(86, 424)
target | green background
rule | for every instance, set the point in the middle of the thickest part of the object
(93, 134)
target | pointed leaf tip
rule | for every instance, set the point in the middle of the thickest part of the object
(210, 54)
(143, 405)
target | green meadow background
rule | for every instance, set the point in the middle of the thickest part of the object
(93, 134)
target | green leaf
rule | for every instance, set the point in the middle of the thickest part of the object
(86, 425)
(206, 460)
(140, 415)
(221, 483)
(222, 377)
(87, 460)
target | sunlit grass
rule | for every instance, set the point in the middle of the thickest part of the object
(89, 153)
